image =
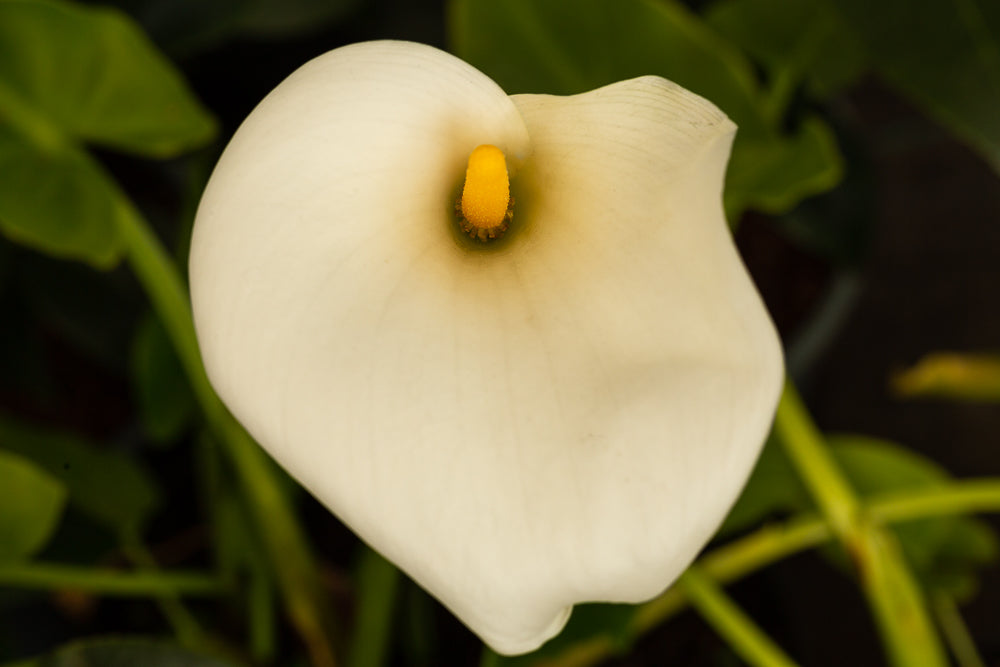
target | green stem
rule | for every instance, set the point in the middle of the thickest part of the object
(286, 544)
(972, 495)
(489, 658)
(955, 632)
(814, 462)
(736, 560)
(731, 622)
(54, 576)
(184, 623)
(378, 581)
(891, 589)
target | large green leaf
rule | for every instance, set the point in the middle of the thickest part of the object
(794, 41)
(31, 504)
(108, 486)
(120, 652)
(70, 75)
(57, 200)
(942, 54)
(90, 74)
(551, 46)
(166, 404)
(773, 173)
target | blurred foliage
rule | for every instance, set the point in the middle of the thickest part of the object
(30, 506)
(123, 653)
(187, 27)
(110, 487)
(970, 377)
(550, 46)
(799, 42)
(944, 56)
(80, 85)
(165, 403)
(875, 467)
(71, 76)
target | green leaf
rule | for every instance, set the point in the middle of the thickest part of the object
(108, 486)
(774, 173)
(57, 200)
(801, 41)
(30, 507)
(550, 46)
(90, 74)
(773, 487)
(115, 652)
(942, 54)
(166, 405)
(971, 544)
(72, 74)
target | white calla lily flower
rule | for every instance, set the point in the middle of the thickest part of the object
(563, 414)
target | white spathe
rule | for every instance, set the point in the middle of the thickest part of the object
(565, 417)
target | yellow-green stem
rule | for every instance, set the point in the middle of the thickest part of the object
(893, 594)
(731, 622)
(108, 582)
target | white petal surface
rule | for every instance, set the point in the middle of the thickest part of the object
(567, 418)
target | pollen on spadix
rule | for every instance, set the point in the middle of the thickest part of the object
(485, 204)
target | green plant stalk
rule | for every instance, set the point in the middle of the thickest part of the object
(815, 464)
(963, 497)
(287, 547)
(731, 622)
(378, 582)
(116, 583)
(734, 561)
(185, 625)
(892, 592)
(260, 584)
(777, 541)
(954, 630)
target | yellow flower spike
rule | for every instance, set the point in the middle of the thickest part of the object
(486, 203)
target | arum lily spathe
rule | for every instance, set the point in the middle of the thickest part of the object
(552, 400)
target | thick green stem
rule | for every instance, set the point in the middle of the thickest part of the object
(815, 464)
(285, 542)
(892, 591)
(731, 622)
